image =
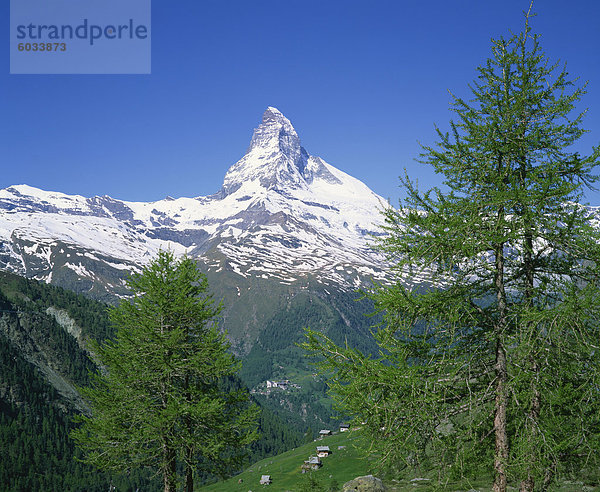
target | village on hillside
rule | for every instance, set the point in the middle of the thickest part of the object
(268, 387)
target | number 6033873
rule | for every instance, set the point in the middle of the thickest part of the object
(42, 46)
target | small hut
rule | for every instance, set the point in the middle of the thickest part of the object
(266, 480)
(312, 463)
(323, 451)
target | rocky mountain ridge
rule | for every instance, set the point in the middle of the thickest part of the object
(281, 214)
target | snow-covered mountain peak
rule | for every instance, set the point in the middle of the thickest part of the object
(275, 134)
(282, 213)
(272, 116)
(274, 160)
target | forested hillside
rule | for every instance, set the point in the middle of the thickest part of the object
(40, 366)
(43, 358)
(275, 355)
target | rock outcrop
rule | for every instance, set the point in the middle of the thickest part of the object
(368, 483)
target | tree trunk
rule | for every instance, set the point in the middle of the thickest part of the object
(169, 465)
(189, 472)
(501, 434)
(189, 452)
(169, 469)
(501, 449)
(528, 484)
(548, 477)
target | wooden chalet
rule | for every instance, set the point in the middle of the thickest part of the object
(323, 451)
(312, 463)
(266, 480)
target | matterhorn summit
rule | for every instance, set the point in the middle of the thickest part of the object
(275, 159)
(281, 214)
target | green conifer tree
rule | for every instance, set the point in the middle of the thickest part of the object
(495, 367)
(158, 401)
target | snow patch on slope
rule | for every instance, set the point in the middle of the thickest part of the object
(281, 212)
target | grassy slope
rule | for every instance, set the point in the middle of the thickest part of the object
(341, 466)
(344, 465)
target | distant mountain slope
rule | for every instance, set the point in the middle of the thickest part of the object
(281, 214)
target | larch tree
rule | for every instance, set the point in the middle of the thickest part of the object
(158, 400)
(495, 365)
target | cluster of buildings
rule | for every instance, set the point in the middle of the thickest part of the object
(313, 462)
(281, 385)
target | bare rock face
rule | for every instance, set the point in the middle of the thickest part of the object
(368, 483)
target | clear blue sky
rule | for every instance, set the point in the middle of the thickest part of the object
(362, 82)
